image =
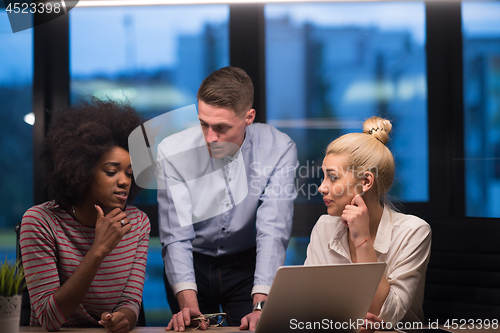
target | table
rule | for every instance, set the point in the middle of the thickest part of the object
(27, 329)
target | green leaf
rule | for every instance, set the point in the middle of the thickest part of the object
(11, 278)
(2, 278)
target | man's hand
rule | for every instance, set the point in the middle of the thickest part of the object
(188, 302)
(181, 320)
(114, 322)
(249, 322)
(251, 319)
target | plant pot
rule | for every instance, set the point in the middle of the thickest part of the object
(10, 312)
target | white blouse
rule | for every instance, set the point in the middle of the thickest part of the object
(403, 242)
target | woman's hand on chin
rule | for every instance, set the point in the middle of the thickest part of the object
(357, 218)
(110, 229)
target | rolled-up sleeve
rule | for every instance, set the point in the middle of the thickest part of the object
(405, 275)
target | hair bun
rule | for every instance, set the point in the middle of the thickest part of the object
(378, 127)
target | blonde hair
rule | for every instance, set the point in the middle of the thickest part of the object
(367, 152)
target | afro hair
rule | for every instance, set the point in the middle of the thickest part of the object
(77, 138)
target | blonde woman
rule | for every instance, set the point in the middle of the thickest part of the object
(362, 227)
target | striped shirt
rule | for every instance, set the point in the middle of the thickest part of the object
(53, 245)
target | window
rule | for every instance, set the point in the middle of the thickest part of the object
(481, 61)
(331, 66)
(16, 133)
(155, 57)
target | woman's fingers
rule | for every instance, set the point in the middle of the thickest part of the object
(111, 228)
(100, 213)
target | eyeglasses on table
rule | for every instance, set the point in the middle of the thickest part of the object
(213, 319)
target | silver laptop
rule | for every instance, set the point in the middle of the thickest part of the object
(319, 298)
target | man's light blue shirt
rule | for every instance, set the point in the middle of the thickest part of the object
(233, 215)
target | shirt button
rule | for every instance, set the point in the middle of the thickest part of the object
(229, 179)
(227, 205)
(223, 229)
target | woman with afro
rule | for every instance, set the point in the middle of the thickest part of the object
(84, 252)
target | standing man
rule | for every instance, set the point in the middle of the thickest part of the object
(225, 213)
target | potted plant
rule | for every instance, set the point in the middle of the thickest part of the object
(11, 287)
